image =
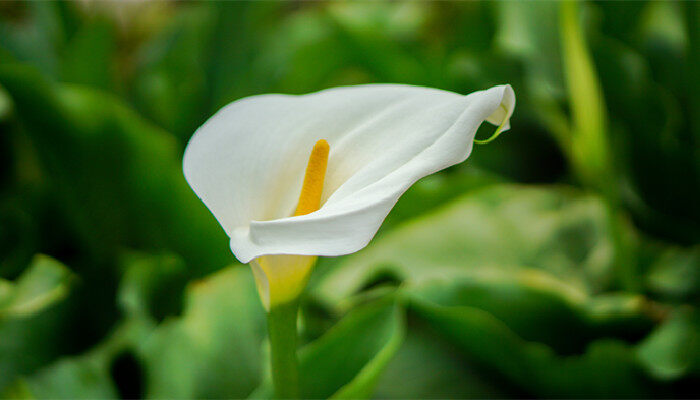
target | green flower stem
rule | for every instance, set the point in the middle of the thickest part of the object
(282, 329)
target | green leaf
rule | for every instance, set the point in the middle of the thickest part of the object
(34, 322)
(213, 350)
(663, 24)
(170, 82)
(423, 197)
(436, 190)
(43, 284)
(673, 350)
(362, 385)
(539, 308)
(363, 31)
(537, 259)
(89, 56)
(93, 374)
(497, 230)
(117, 179)
(77, 378)
(675, 273)
(529, 32)
(428, 366)
(606, 369)
(305, 40)
(650, 124)
(349, 359)
(530, 303)
(152, 286)
(590, 148)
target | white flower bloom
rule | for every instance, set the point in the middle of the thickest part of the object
(247, 163)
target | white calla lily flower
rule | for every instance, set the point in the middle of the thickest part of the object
(250, 162)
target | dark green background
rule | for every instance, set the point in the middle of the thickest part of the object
(561, 260)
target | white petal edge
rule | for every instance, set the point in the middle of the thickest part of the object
(247, 162)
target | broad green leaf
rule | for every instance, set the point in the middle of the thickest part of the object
(348, 360)
(650, 124)
(436, 190)
(606, 369)
(170, 83)
(428, 366)
(89, 56)
(151, 287)
(96, 373)
(216, 341)
(530, 33)
(663, 22)
(363, 384)
(117, 178)
(494, 231)
(673, 350)
(35, 321)
(537, 259)
(622, 315)
(675, 274)
(366, 33)
(236, 41)
(44, 283)
(542, 309)
(78, 378)
(214, 349)
(530, 303)
(423, 197)
(306, 40)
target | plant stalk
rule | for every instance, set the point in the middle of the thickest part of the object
(282, 331)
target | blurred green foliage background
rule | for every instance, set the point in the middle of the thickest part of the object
(560, 261)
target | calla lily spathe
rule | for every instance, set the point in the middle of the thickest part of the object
(247, 163)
